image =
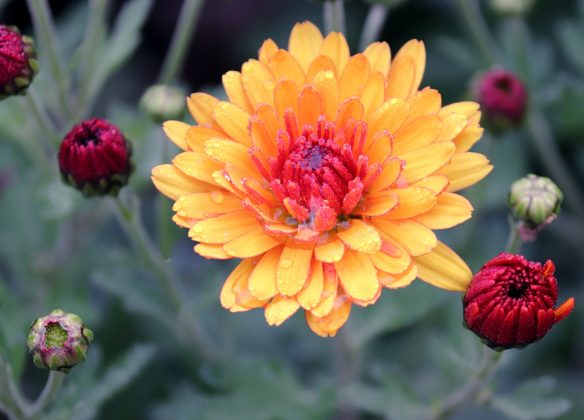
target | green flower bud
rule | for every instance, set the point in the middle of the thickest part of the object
(535, 202)
(163, 102)
(58, 341)
(511, 7)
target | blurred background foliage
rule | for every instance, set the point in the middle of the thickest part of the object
(397, 359)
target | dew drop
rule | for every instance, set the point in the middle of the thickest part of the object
(197, 228)
(217, 197)
(286, 263)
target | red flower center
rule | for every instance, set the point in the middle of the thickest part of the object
(320, 173)
(12, 55)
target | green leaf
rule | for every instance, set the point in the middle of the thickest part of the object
(571, 35)
(531, 400)
(388, 3)
(396, 309)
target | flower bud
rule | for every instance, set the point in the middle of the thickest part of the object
(502, 97)
(511, 7)
(510, 302)
(94, 157)
(534, 202)
(163, 102)
(58, 341)
(18, 64)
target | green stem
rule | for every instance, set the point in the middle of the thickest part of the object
(45, 30)
(132, 223)
(180, 40)
(373, 25)
(346, 358)
(541, 135)
(42, 118)
(334, 16)
(514, 241)
(48, 393)
(479, 30)
(471, 388)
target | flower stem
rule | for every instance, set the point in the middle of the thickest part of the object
(42, 118)
(514, 241)
(478, 29)
(470, 389)
(130, 219)
(48, 393)
(373, 25)
(45, 30)
(334, 16)
(183, 33)
(346, 362)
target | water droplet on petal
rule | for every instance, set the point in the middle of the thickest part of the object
(285, 263)
(217, 197)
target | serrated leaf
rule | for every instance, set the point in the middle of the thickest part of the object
(531, 401)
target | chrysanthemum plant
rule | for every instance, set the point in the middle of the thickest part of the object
(320, 178)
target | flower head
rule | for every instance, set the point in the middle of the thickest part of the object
(326, 173)
(18, 64)
(510, 301)
(502, 96)
(58, 341)
(95, 157)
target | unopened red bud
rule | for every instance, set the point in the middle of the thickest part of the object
(18, 63)
(503, 98)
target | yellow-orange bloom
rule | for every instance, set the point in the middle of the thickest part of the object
(326, 173)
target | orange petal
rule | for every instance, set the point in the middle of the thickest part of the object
(380, 147)
(293, 269)
(258, 83)
(284, 66)
(377, 203)
(201, 107)
(262, 281)
(197, 165)
(326, 85)
(467, 108)
(350, 109)
(206, 204)
(416, 238)
(335, 46)
(320, 64)
(331, 251)
(354, 77)
(310, 295)
(425, 102)
(465, 169)
(358, 277)
(392, 258)
(224, 228)
(280, 309)
(403, 279)
(444, 268)
(419, 133)
(309, 106)
(263, 127)
(416, 51)
(401, 79)
(329, 292)
(176, 131)
(360, 236)
(197, 135)
(304, 44)
(234, 90)
(373, 93)
(452, 126)
(231, 153)
(328, 325)
(243, 297)
(268, 48)
(467, 138)
(427, 160)
(436, 183)
(234, 121)
(286, 98)
(450, 210)
(412, 201)
(251, 244)
(389, 117)
(390, 172)
(173, 183)
(242, 271)
(212, 251)
(379, 56)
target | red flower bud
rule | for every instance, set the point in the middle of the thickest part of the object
(18, 64)
(510, 301)
(502, 96)
(95, 158)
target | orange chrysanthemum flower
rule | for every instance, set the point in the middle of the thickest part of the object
(326, 173)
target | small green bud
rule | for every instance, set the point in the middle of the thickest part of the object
(163, 102)
(511, 7)
(58, 341)
(534, 202)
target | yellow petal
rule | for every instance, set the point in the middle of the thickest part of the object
(412, 201)
(377, 203)
(234, 121)
(262, 281)
(242, 271)
(329, 291)
(320, 64)
(197, 136)
(304, 44)
(243, 297)
(173, 183)
(419, 133)
(360, 236)
(452, 126)
(176, 131)
(286, 98)
(392, 258)
(258, 83)
(310, 295)
(280, 309)
(309, 106)
(235, 92)
(379, 56)
(251, 244)
(389, 117)
(425, 102)
(467, 138)
(263, 127)
(224, 228)
(373, 93)
(331, 251)
(293, 269)
(427, 160)
(335, 46)
(401, 79)
(197, 165)
(326, 85)
(268, 48)
(403, 279)
(379, 150)
(465, 169)
(436, 183)
(350, 109)
(212, 251)
(389, 174)
(284, 66)
(358, 277)
(444, 268)
(206, 204)
(231, 153)
(328, 325)
(450, 210)
(467, 108)
(416, 238)
(416, 51)
(201, 107)
(354, 77)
